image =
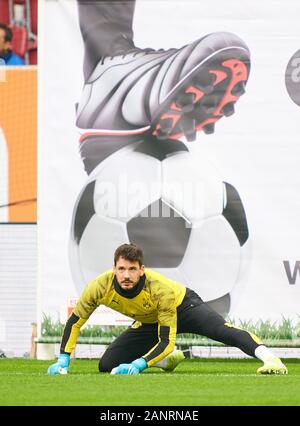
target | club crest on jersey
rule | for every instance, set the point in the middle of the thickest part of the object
(146, 304)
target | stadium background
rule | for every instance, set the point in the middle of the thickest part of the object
(257, 150)
(18, 184)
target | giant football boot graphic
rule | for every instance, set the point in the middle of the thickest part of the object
(165, 94)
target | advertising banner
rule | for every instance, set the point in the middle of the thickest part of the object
(173, 125)
(18, 144)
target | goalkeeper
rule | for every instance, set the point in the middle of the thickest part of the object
(160, 308)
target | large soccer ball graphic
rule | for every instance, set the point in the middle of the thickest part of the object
(191, 225)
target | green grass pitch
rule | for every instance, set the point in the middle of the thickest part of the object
(197, 382)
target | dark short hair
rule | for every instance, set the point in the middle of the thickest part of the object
(8, 35)
(130, 252)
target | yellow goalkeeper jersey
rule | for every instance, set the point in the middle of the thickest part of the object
(153, 300)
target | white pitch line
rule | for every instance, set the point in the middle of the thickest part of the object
(168, 375)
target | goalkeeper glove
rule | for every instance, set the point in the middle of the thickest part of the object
(135, 367)
(61, 366)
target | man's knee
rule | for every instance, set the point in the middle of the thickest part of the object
(106, 364)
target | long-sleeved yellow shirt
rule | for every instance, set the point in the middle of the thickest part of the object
(155, 300)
